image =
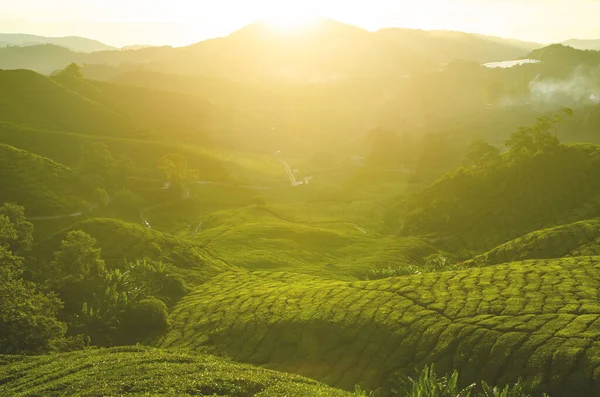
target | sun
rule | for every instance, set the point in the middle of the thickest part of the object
(286, 19)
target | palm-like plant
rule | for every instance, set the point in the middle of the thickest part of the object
(428, 384)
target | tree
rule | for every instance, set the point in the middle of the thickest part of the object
(175, 168)
(127, 203)
(77, 269)
(22, 227)
(542, 136)
(145, 318)
(78, 258)
(72, 70)
(96, 158)
(479, 152)
(28, 321)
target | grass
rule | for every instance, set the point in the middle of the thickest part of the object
(536, 319)
(138, 371)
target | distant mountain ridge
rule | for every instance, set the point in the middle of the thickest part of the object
(73, 43)
(452, 45)
(591, 44)
(326, 50)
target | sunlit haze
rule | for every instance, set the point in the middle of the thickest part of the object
(181, 22)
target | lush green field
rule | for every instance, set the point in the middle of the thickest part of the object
(137, 371)
(537, 319)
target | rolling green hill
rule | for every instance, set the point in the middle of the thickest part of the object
(258, 238)
(482, 207)
(535, 319)
(68, 103)
(575, 239)
(33, 100)
(123, 241)
(138, 371)
(39, 183)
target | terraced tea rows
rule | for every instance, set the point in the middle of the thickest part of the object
(145, 372)
(575, 239)
(537, 319)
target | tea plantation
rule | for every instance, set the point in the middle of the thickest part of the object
(138, 371)
(538, 319)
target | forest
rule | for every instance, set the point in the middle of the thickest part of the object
(395, 220)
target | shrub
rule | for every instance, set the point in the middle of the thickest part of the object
(145, 318)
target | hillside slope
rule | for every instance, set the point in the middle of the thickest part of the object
(124, 241)
(574, 239)
(40, 184)
(482, 207)
(449, 46)
(536, 319)
(30, 99)
(137, 371)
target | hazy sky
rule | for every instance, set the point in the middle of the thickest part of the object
(180, 22)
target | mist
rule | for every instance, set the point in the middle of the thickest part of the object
(580, 88)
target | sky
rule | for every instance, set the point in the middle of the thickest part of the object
(182, 22)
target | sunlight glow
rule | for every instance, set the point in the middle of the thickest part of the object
(291, 22)
(284, 17)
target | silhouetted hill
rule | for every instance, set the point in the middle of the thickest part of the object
(449, 45)
(43, 59)
(33, 100)
(559, 54)
(68, 103)
(326, 50)
(74, 43)
(592, 44)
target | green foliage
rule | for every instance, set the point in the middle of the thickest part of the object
(73, 70)
(175, 168)
(28, 322)
(127, 203)
(429, 384)
(481, 207)
(516, 390)
(480, 152)
(78, 259)
(22, 242)
(542, 136)
(146, 318)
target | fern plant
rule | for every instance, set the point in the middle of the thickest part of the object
(428, 384)
(360, 392)
(515, 390)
